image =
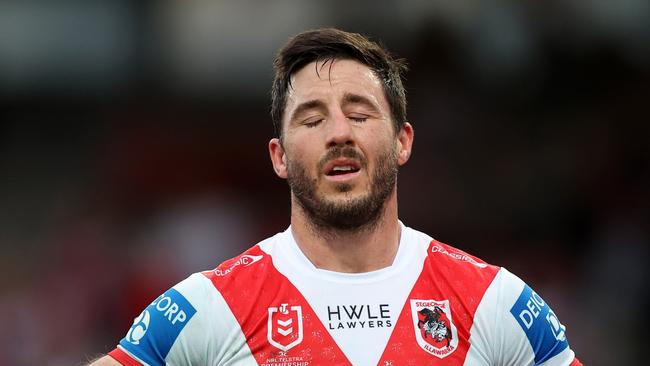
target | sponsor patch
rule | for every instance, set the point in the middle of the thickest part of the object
(342, 317)
(542, 327)
(155, 330)
(435, 331)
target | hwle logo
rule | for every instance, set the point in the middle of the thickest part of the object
(359, 316)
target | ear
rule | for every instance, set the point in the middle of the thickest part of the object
(278, 158)
(404, 143)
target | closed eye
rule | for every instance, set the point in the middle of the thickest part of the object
(359, 119)
(312, 122)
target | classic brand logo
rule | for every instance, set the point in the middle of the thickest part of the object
(285, 326)
(245, 260)
(458, 256)
(434, 329)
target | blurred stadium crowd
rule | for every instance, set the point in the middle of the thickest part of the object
(133, 152)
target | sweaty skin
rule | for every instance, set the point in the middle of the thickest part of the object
(340, 103)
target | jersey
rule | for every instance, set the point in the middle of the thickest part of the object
(435, 305)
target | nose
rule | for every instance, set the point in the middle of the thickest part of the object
(339, 131)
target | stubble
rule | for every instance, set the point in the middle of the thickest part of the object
(354, 214)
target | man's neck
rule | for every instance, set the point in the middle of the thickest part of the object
(364, 250)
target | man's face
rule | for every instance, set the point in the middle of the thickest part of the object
(339, 152)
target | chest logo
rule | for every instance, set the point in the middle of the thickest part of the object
(285, 326)
(435, 331)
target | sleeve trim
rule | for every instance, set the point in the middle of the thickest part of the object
(122, 357)
(575, 362)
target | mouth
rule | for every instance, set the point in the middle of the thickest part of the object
(342, 169)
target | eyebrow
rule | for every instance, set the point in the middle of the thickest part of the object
(351, 98)
(308, 105)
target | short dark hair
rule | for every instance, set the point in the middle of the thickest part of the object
(328, 44)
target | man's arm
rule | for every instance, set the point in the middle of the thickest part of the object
(529, 328)
(160, 326)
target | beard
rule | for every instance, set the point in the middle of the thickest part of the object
(350, 214)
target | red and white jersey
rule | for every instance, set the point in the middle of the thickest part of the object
(435, 305)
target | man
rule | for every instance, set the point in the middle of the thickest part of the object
(347, 282)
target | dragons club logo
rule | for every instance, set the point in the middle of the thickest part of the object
(435, 331)
(285, 326)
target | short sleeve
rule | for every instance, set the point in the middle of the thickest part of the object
(157, 328)
(528, 331)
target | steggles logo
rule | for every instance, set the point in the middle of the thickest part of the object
(285, 326)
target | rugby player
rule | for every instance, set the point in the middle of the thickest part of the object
(347, 283)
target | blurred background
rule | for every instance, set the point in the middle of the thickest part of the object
(133, 152)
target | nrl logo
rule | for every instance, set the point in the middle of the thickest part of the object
(285, 326)
(434, 330)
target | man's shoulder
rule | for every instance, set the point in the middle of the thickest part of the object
(252, 261)
(248, 258)
(443, 253)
